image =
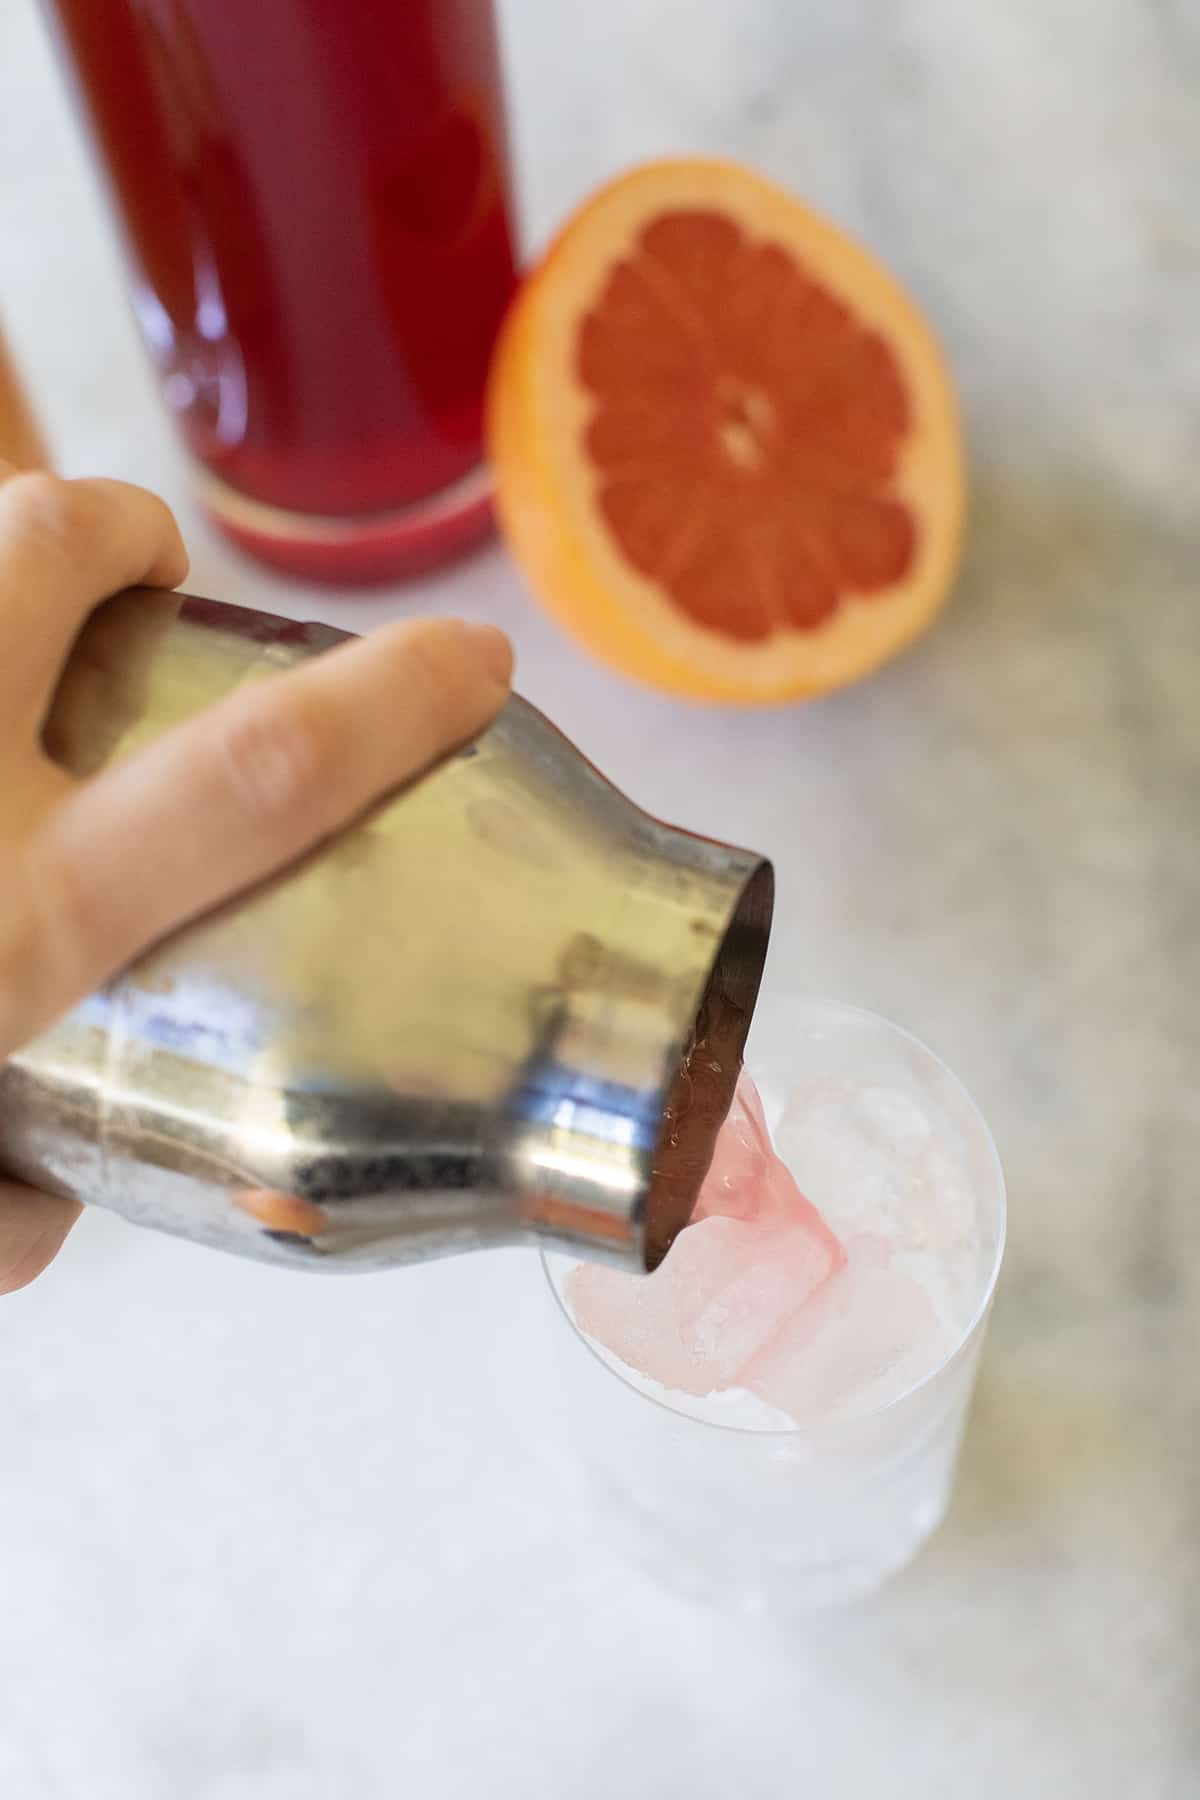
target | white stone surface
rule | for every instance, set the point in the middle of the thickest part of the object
(266, 1538)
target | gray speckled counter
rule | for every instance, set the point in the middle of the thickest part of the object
(264, 1537)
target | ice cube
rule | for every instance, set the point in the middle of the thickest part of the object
(711, 1306)
(754, 1253)
(862, 1340)
(870, 1158)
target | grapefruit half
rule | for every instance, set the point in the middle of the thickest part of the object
(725, 444)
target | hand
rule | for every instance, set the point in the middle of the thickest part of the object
(227, 797)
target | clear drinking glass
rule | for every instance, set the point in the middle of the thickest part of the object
(784, 1520)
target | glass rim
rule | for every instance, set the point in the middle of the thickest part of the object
(881, 1409)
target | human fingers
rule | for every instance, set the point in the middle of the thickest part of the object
(33, 1227)
(243, 789)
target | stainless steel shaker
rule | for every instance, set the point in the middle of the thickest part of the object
(506, 1006)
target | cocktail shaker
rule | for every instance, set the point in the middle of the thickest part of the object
(506, 1006)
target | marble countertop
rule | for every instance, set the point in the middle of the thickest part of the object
(261, 1536)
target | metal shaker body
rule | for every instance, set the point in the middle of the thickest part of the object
(459, 1023)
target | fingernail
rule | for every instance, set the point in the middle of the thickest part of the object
(494, 651)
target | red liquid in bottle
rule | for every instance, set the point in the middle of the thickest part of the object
(315, 198)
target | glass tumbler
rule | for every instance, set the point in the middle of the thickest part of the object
(774, 1520)
(314, 197)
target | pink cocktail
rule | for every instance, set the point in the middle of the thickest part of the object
(775, 1412)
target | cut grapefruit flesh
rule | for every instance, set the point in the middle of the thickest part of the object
(726, 448)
